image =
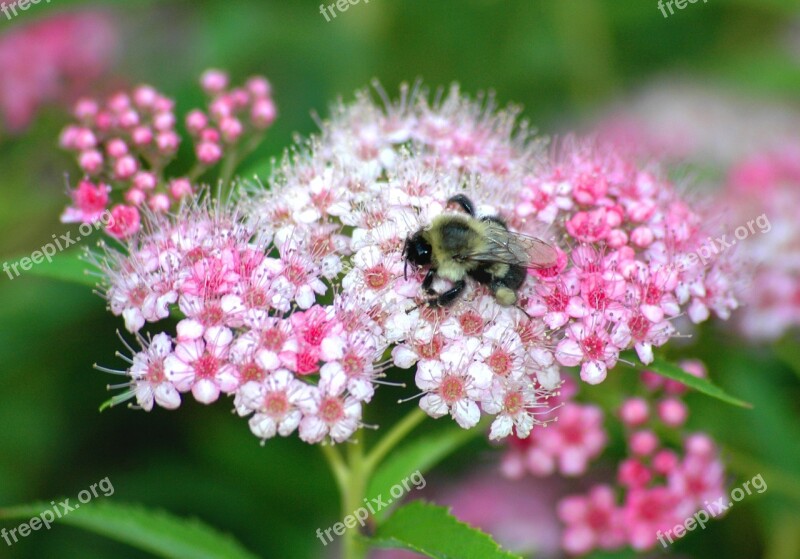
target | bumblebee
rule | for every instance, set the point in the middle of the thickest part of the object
(460, 245)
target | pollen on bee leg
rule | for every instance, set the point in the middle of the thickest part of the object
(505, 296)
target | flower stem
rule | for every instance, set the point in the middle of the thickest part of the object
(393, 437)
(353, 474)
(355, 489)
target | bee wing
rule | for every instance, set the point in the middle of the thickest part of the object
(516, 249)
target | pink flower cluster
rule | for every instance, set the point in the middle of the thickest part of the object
(126, 142)
(566, 445)
(52, 60)
(232, 338)
(657, 487)
(309, 277)
(768, 185)
(630, 265)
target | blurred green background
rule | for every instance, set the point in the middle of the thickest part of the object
(565, 61)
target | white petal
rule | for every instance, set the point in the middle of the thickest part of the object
(263, 426)
(205, 391)
(593, 372)
(466, 413)
(501, 427)
(312, 429)
(305, 297)
(167, 396)
(433, 405)
(190, 329)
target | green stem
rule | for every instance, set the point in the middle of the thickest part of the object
(338, 467)
(226, 172)
(355, 489)
(353, 474)
(393, 437)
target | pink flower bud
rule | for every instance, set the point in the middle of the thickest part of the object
(68, 137)
(258, 86)
(167, 142)
(163, 104)
(263, 113)
(634, 411)
(239, 98)
(642, 236)
(119, 102)
(134, 196)
(208, 153)
(91, 161)
(116, 148)
(159, 202)
(180, 188)
(196, 120)
(142, 135)
(144, 96)
(700, 444)
(85, 139)
(213, 81)
(209, 135)
(641, 211)
(664, 461)
(653, 381)
(129, 119)
(221, 107)
(104, 121)
(231, 129)
(124, 221)
(673, 412)
(125, 167)
(617, 238)
(164, 121)
(643, 443)
(632, 473)
(144, 180)
(85, 109)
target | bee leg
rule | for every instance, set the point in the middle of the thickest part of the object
(448, 297)
(465, 203)
(426, 283)
(494, 219)
(504, 295)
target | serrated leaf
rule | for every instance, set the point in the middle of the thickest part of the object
(432, 531)
(65, 266)
(420, 455)
(670, 370)
(154, 531)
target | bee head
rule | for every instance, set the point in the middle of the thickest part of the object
(417, 250)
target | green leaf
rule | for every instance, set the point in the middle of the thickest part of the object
(434, 532)
(788, 350)
(154, 531)
(66, 266)
(418, 456)
(670, 370)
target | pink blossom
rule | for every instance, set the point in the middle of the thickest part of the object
(647, 512)
(149, 378)
(274, 402)
(64, 56)
(201, 365)
(592, 522)
(90, 202)
(327, 411)
(124, 221)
